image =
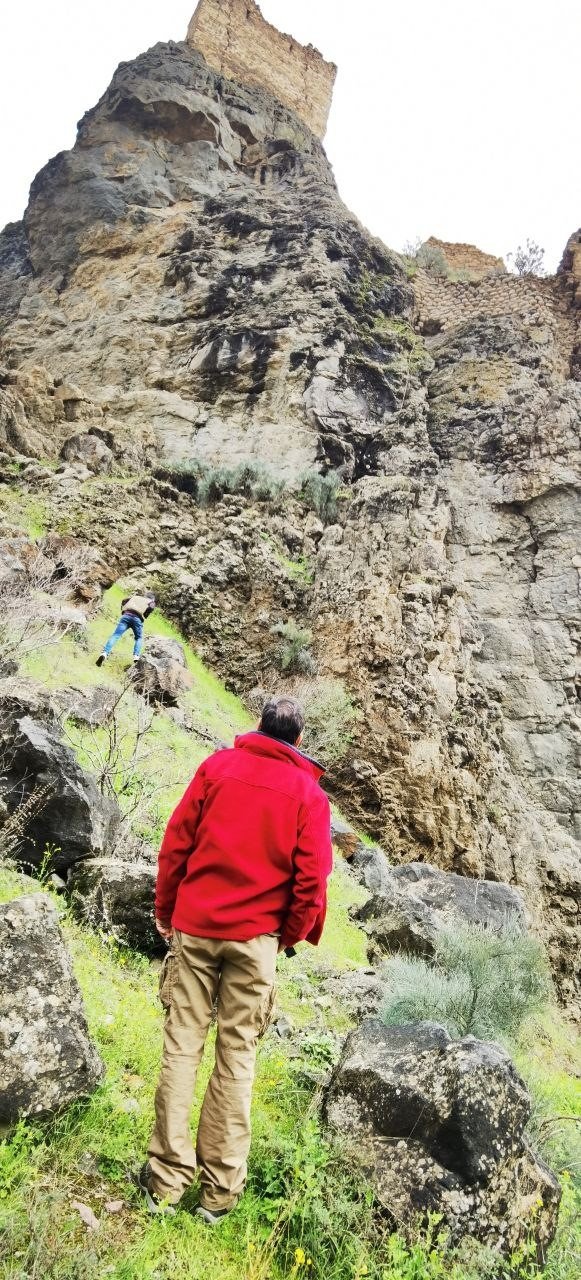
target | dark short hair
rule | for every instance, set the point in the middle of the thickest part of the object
(282, 718)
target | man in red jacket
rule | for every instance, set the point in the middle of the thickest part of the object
(243, 872)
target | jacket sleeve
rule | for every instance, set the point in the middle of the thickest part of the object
(146, 612)
(313, 862)
(177, 845)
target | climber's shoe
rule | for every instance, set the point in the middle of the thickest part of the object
(101, 659)
(211, 1216)
(154, 1203)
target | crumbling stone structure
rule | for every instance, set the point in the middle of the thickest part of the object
(235, 39)
(442, 304)
(467, 259)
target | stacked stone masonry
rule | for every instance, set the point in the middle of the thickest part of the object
(235, 40)
(443, 304)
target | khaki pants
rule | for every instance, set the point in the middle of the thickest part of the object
(196, 973)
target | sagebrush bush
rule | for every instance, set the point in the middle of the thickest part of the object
(295, 657)
(329, 715)
(432, 260)
(480, 983)
(428, 256)
(209, 484)
(320, 492)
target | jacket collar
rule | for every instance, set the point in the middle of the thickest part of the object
(261, 744)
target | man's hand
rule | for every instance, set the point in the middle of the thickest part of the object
(165, 930)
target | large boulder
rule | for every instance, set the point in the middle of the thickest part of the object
(46, 1057)
(20, 696)
(117, 897)
(441, 1125)
(414, 903)
(70, 819)
(371, 868)
(89, 449)
(161, 674)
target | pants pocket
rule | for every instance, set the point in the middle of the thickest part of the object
(266, 1011)
(166, 980)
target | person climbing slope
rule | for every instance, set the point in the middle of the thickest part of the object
(134, 610)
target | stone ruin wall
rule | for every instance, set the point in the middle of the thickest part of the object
(442, 304)
(235, 40)
(467, 258)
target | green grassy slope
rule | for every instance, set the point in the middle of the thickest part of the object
(307, 1211)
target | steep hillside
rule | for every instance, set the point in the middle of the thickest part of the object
(68, 1207)
(188, 308)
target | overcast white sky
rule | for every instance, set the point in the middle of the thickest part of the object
(458, 119)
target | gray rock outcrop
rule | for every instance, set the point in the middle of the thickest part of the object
(87, 448)
(116, 897)
(91, 706)
(441, 1126)
(161, 674)
(360, 993)
(416, 901)
(72, 820)
(46, 1057)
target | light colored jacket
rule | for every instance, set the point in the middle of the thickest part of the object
(141, 605)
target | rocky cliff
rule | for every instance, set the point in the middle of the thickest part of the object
(187, 289)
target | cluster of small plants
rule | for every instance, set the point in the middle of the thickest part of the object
(295, 655)
(209, 484)
(527, 259)
(429, 256)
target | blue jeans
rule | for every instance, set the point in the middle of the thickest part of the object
(127, 622)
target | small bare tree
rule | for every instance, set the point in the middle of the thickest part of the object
(116, 753)
(527, 260)
(33, 591)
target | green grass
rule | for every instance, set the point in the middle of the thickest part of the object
(22, 511)
(305, 1200)
(13, 884)
(170, 754)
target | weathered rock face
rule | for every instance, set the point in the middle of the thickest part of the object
(46, 1057)
(72, 820)
(117, 897)
(441, 1124)
(188, 279)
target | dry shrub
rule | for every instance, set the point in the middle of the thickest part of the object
(330, 717)
(34, 589)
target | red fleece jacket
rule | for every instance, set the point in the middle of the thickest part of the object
(248, 849)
